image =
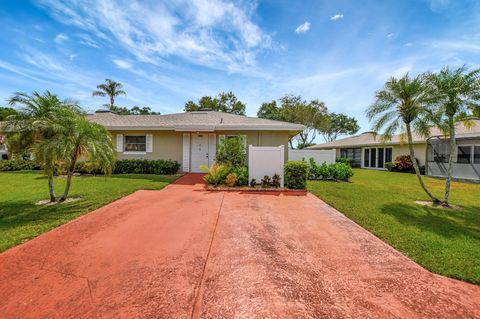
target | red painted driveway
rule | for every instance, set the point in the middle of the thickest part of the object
(183, 252)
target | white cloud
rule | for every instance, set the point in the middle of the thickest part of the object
(390, 35)
(61, 37)
(214, 34)
(457, 45)
(408, 44)
(72, 56)
(336, 17)
(437, 5)
(303, 28)
(122, 64)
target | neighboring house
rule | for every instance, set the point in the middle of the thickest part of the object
(3, 148)
(190, 138)
(368, 151)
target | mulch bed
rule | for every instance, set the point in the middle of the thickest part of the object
(256, 190)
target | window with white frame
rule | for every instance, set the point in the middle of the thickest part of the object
(376, 157)
(439, 152)
(468, 154)
(135, 143)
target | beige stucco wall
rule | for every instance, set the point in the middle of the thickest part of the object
(169, 144)
(420, 152)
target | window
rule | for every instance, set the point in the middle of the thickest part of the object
(439, 152)
(135, 143)
(373, 157)
(476, 154)
(352, 153)
(380, 157)
(366, 158)
(464, 154)
(388, 154)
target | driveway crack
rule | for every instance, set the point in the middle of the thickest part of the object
(198, 290)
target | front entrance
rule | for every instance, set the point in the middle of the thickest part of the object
(199, 152)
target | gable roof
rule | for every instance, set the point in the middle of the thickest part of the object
(205, 121)
(371, 139)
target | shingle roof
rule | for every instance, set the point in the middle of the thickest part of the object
(370, 138)
(196, 121)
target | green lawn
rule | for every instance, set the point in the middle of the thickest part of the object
(21, 219)
(446, 242)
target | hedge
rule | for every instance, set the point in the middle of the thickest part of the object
(18, 165)
(296, 173)
(159, 167)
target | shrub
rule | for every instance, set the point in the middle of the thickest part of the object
(253, 183)
(341, 171)
(390, 166)
(403, 163)
(266, 181)
(296, 174)
(137, 166)
(344, 160)
(216, 174)
(18, 165)
(231, 180)
(276, 179)
(232, 152)
(86, 167)
(242, 175)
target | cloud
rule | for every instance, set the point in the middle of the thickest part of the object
(336, 17)
(438, 5)
(457, 45)
(390, 35)
(122, 64)
(303, 28)
(408, 44)
(61, 37)
(214, 34)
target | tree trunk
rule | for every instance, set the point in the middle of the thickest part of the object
(51, 190)
(453, 151)
(112, 101)
(415, 166)
(71, 170)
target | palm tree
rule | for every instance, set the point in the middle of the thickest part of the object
(37, 121)
(110, 88)
(80, 139)
(455, 95)
(401, 105)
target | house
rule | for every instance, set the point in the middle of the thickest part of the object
(3, 148)
(190, 138)
(368, 151)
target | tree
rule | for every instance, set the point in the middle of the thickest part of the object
(38, 120)
(136, 110)
(336, 125)
(78, 138)
(454, 93)
(402, 104)
(294, 109)
(225, 102)
(5, 112)
(111, 89)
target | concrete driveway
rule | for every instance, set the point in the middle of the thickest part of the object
(183, 252)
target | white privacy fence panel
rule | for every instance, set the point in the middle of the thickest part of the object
(265, 160)
(320, 156)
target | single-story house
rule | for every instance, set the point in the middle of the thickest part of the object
(368, 151)
(189, 138)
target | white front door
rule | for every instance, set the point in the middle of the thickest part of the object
(199, 151)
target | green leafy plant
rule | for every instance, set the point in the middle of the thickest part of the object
(18, 165)
(296, 174)
(337, 171)
(341, 171)
(216, 174)
(390, 166)
(232, 151)
(242, 175)
(403, 163)
(253, 183)
(266, 180)
(344, 160)
(137, 166)
(276, 180)
(231, 180)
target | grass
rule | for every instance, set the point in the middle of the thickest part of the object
(21, 219)
(444, 241)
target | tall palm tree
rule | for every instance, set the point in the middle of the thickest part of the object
(80, 139)
(455, 95)
(401, 105)
(37, 121)
(110, 88)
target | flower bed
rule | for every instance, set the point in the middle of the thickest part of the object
(255, 189)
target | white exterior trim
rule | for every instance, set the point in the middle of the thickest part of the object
(119, 143)
(186, 153)
(149, 143)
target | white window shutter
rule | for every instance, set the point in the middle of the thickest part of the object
(120, 143)
(149, 140)
(245, 140)
(212, 148)
(186, 152)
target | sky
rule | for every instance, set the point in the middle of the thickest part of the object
(168, 52)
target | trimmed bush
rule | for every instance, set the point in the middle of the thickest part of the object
(216, 175)
(390, 166)
(158, 167)
(242, 175)
(232, 152)
(18, 165)
(344, 160)
(341, 171)
(296, 174)
(337, 171)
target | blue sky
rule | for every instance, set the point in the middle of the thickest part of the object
(167, 52)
